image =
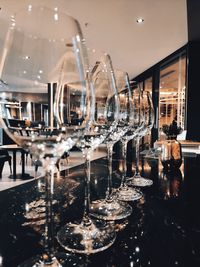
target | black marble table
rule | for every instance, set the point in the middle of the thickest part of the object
(163, 230)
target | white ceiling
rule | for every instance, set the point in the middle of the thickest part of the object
(110, 25)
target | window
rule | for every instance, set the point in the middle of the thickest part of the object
(172, 93)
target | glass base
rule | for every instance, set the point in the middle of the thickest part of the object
(110, 210)
(140, 181)
(71, 260)
(127, 193)
(64, 260)
(39, 261)
(88, 238)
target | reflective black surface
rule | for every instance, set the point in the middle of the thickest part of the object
(163, 230)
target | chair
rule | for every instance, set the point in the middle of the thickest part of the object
(4, 156)
(65, 156)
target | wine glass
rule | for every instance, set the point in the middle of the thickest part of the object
(148, 115)
(110, 208)
(126, 192)
(44, 56)
(91, 236)
(152, 152)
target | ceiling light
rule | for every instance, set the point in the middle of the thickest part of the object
(26, 57)
(140, 20)
(56, 16)
(29, 7)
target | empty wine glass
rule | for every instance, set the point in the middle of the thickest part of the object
(152, 152)
(91, 236)
(148, 115)
(110, 208)
(44, 56)
(126, 192)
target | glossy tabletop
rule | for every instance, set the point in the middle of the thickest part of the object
(163, 230)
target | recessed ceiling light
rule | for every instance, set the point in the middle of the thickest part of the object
(29, 7)
(140, 20)
(56, 16)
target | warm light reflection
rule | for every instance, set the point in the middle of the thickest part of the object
(1, 260)
(120, 166)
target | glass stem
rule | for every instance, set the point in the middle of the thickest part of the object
(48, 257)
(86, 219)
(109, 186)
(124, 169)
(137, 155)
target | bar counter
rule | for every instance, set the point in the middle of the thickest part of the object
(163, 230)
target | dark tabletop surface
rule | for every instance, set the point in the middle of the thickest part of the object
(163, 230)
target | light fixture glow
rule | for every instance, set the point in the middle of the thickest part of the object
(26, 57)
(56, 16)
(1, 260)
(29, 7)
(140, 20)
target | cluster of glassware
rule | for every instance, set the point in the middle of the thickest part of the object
(92, 103)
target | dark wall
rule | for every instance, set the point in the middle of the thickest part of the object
(193, 18)
(193, 78)
(193, 98)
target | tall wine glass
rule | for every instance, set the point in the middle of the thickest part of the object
(151, 153)
(126, 192)
(148, 115)
(90, 236)
(44, 54)
(110, 208)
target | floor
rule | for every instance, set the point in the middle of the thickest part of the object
(75, 158)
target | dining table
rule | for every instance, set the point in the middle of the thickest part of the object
(14, 148)
(162, 231)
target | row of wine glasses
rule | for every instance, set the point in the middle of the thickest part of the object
(89, 103)
(113, 115)
(110, 208)
(90, 236)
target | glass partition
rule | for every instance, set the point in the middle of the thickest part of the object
(172, 93)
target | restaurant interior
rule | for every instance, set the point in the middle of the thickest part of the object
(99, 133)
